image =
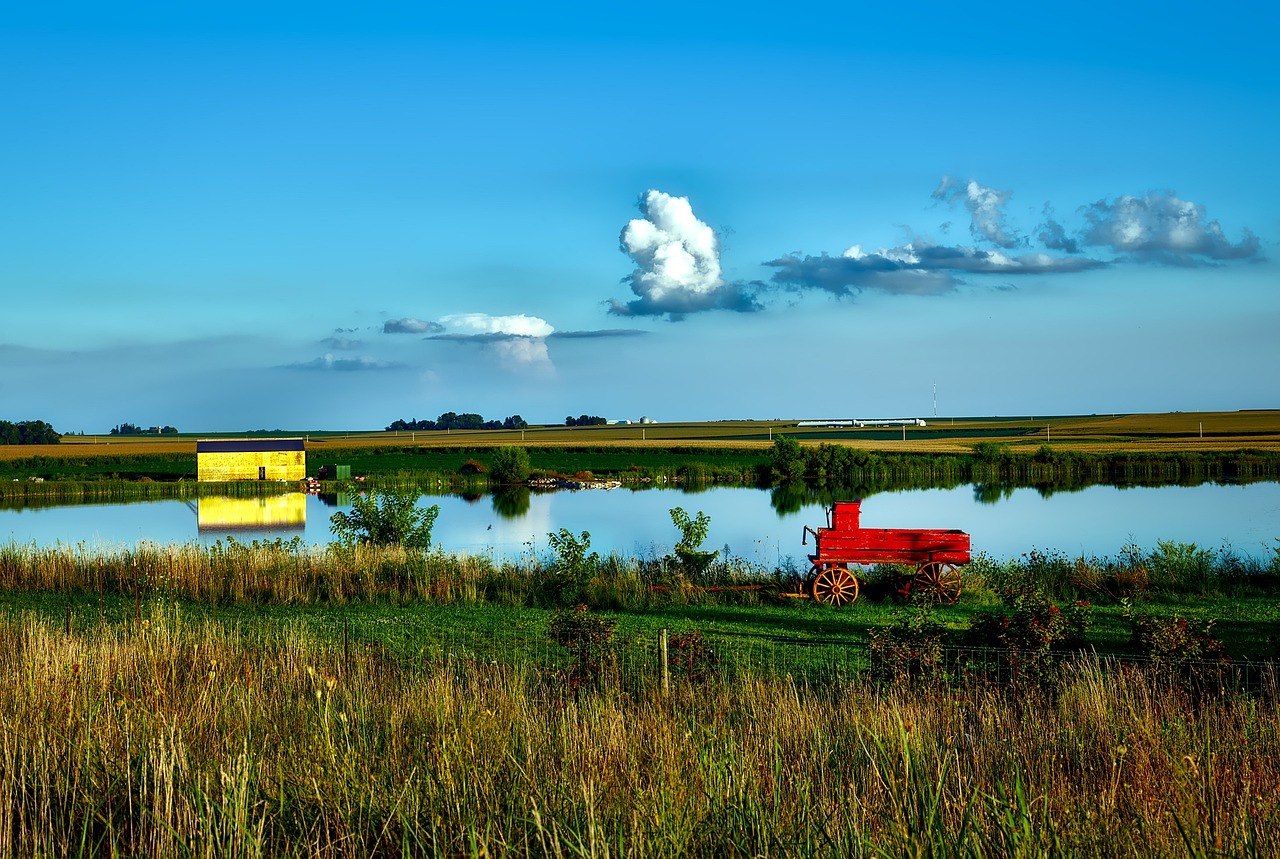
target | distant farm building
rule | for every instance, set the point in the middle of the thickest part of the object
(251, 459)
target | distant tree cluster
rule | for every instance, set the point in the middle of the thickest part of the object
(129, 429)
(455, 421)
(28, 432)
(585, 421)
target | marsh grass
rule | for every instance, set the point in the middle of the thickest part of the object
(174, 737)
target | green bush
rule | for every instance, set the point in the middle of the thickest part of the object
(589, 639)
(510, 465)
(572, 569)
(693, 532)
(386, 517)
(910, 648)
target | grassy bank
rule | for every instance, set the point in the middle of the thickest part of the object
(409, 598)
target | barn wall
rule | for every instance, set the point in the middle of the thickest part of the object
(244, 465)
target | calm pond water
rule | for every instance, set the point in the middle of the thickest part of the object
(1097, 521)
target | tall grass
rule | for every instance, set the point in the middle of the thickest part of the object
(279, 572)
(174, 738)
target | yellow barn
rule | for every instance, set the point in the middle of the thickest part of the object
(250, 459)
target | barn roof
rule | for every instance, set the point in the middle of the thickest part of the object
(247, 445)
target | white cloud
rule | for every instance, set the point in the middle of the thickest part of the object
(986, 209)
(677, 261)
(1161, 226)
(518, 341)
(481, 323)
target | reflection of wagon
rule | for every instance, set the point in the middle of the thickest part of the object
(934, 553)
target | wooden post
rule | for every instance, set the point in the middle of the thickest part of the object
(666, 665)
(346, 646)
(68, 624)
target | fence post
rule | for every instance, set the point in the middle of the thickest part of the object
(666, 666)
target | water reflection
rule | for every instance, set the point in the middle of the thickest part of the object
(286, 512)
(761, 526)
(512, 502)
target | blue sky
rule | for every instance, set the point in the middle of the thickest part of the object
(230, 217)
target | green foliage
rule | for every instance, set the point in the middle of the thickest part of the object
(130, 429)
(572, 569)
(690, 657)
(787, 462)
(28, 432)
(693, 532)
(386, 517)
(1031, 631)
(589, 639)
(510, 465)
(1178, 647)
(990, 451)
(455, 421)
(1182, 567)
(910, 648)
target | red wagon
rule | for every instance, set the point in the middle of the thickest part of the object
(935, 554)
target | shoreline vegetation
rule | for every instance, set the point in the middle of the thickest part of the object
(823, 466)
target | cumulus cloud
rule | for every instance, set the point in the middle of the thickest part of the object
(1053, 235)
(986, 209)
(1162, 228)
(916, 268)
(677, 260)
(409, 325)
(1157, 228)
(481, 324)
(517, 341)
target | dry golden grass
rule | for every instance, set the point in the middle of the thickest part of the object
(174, 738)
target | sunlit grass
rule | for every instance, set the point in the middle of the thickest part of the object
(171, 737)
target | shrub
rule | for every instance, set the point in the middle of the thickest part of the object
(510, 465)
(689, 555)
(589, 639)
(911, 648)
(690, 657)
(473, 466)
(1031, 630)
(787, 462)
(386, 517)
(1177, 646)
(572, 569)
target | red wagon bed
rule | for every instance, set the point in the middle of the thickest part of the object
(934, 553)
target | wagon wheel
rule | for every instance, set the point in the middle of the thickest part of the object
(835, 586)
(941, 581)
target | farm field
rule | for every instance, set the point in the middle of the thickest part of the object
(1196, 431)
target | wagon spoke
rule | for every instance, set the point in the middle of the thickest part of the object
(834, 586)
(939, 581)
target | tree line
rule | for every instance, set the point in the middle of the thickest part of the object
(28, 432)
(455, 421)
(127, 428)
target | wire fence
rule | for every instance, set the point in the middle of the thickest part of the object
(663, 658)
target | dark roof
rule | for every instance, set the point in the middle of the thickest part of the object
(247, 445)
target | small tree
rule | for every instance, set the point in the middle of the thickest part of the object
(788, 462)
(573, 568)
(510, 465)
(692, 534)
(386, 518)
